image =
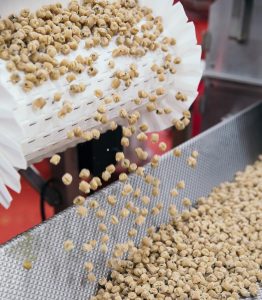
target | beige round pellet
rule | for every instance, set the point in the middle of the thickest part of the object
(15, 78)
(142, 137)
(140, 171)
(57, 96)
(177, 60)
(137, 192)
(155, 161)
(101, 213)
(132, 295)
(95, 133)
(192, 162)
(113, 125)
(126, 132)
(195, 154)
(87, 247)
(161, 77)
(93, 243)
(155, 138)
(114, 220)
(145, 200)
(142, 94)
(174, 192)
(151, 107)
(102, 227)
(160, 91)
(91, 277)
(181, 184)
(98, 181)
(143, 155)
(101, 109)
(55, 159)
(149, 179)
(111, 200)
(177, 152)
(144, 127)
(70, 134)
(105, 239)
(102, 281)
(67, 179)
(69, 245)
(111, 169)
(115, 83)
(77, 131)
(186, 202)
(120, 156)
(124, 213)
(98, 93)
(132, 232)
(137, 101)
(103, 248)
(70, 77)
(84, 174)
(155, 191)
(89, 266)
(27, 265)
(123, 113)
(111, 64)
(162, 146)
(66, 109)
(123, 177)
(81, 211)
(93, 204)
(155, 211)
(152, 98)
(84, 187)
(125, 142)
(38, 103)
(93, 185)
(140, 220)
(133, 167)
(106, 175)
(172, 210)
(116, 98)
(79, 200)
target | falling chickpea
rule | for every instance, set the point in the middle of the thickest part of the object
(55, 159)
(162, 146)
(186, 202)
(79, 200)
(81, 211)
(39, 103)
(84, 174)
(181, 184)
(69, 245)
(177, 152)
(114, 220)
(67, 179)
(27, 265)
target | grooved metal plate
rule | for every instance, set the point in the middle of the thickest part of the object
(57, 275)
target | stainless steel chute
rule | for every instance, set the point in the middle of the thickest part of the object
(224, 149)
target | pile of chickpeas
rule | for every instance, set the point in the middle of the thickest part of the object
(213, 251)
(30, 43)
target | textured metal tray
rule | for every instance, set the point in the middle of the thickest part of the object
(224, 149)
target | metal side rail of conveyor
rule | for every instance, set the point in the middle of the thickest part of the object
(57, 275)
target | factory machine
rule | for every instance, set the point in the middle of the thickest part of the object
(232, 123)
